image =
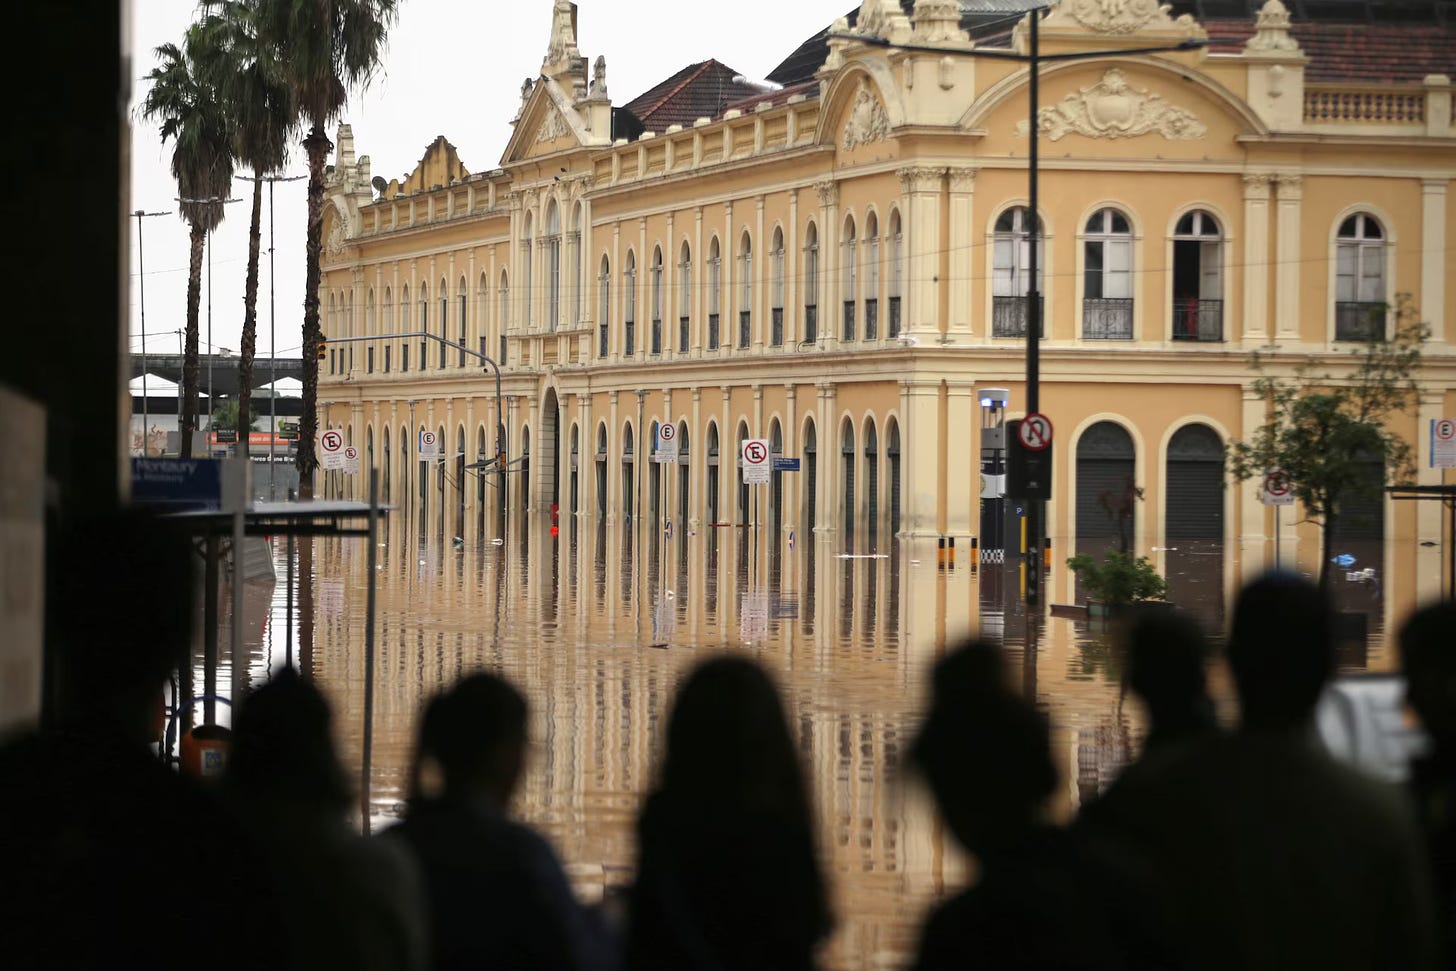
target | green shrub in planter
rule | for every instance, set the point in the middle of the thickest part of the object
(1120, 579)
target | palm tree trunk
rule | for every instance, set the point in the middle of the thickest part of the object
(198, 236)
(250, 321)
(317, 145)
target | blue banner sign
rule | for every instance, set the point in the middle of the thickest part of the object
(177, 485)
(781, 464)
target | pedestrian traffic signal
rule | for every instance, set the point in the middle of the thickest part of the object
(322, 353)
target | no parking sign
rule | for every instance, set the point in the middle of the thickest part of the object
(1443, 443)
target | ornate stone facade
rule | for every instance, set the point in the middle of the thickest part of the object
(1112, 108)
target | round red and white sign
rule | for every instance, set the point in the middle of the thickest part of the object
(666, 432)
(1035, 431)
(351, 453)
(754, 453)
(331, 441)
(1446, 430)
(1276, 483)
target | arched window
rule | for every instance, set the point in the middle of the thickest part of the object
(848, 278)
(776, 290)
(715, 293)
(528, 253)
(463, 317)
(711, 495)
(1106, 462)
(1197, 278)
(897, 272)
(629, 305)
(553, 265)
(1360, 279)
(370, 325)
(404, 326)
(578, 264)
(1010, 270)
(656, 344)
(503, 318)
(444, 322)
(604, 307)
(482, 313)
(1194, 484)
(333, 319)
(1107, 277)
(745, 281)
(811, 284)
(872, 277)
(684, 298)
(387, 326)
(424, 322)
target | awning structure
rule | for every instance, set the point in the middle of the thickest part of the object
(282, 388)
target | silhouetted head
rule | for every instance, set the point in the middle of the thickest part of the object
(985, 751)
(728, 742)
(1281, 650)
(283, 745)
(1428, 657)
(1166, 652)
(474, 734)
(120, 607)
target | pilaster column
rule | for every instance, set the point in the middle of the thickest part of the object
(1430, 548)
(471, 440)
(1256, 258)
(698, 339)
(793, 265)
(829, 269)
(792, 490)
(922, 187)
(919, 462)
(962, 253)
(830, 461)
(728, 296)
(1289, 191)
(760, 297)
(728, 471)
(698, 452)
(963, 473)
(586, 504)
(616, 281)
(1435, 258)
(614, 458)
(1250, 511)
(642, 296)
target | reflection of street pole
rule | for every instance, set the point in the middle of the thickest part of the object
(142, 296)
(636, 463)
(411, 458)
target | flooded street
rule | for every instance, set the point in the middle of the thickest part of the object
(598, 627)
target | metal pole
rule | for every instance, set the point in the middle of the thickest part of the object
(142, 295)
(1032, 556)
(288, 609)
(209, 330)
(273, 353)
(209, 633)
(373, 556)
(240, 667)
(1277, 544)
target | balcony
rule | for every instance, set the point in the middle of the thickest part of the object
(894, 318)
(1359, 321)
(776, 325)
(848, 332)
(811, 323)
(684, 330)
(713, 332)
(745, 329)
(1107, 318)
(1195, 319)
(1008, 316)
(872, 319)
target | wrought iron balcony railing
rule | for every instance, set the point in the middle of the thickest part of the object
(1107, 318)
(1359, 321)
(1196, 319)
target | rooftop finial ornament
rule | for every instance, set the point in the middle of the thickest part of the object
(599, 77)
(1272, 34)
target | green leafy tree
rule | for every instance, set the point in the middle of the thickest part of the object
(225, 415)
(1120, 579)
(1327, 429)
(326, 48)
(184, 98)
(259, 103)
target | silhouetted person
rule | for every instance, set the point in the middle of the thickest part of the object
(1428, 655)
(1275, 855)
(108, 857)
(727, 875)
(1041, 899)
(497, 895)
(350, 902)
(1166, 653)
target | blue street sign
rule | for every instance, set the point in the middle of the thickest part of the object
(781, 464)
(177, 485)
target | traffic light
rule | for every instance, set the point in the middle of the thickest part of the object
(322, 352)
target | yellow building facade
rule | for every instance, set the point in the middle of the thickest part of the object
(838, 265)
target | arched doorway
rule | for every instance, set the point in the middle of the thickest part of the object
(385, 466)
(574, 500)
(892, 458)
(871, 480)
(629, 473)
(846, 453)
(712, 493)
(684, 476)
(601, 464)
(523, 489)
(775, 485)
(740, 487)
(1106, 464)
(440, 482)
(480, 459)
(460, 482)
(811, 477)
(1193, 522)
(549, 446)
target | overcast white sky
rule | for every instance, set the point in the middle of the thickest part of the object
(452, 68)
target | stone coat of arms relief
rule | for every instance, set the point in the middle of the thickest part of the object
(867, 119)
(553, 126)
(1112, 108)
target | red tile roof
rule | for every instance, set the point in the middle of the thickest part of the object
(705, 89)
(1379, 53)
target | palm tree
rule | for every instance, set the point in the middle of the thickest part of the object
(259, 104)
(327, 48)
(185, 100)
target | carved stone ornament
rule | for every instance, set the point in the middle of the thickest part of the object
(828, 193)
(920, 178)
(336, 245)
(882, 18)
(553, 126)
(867, 120)
(1113, 109)
(1272, 30)
(1115, 16)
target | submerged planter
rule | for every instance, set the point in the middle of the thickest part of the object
(1128, 611)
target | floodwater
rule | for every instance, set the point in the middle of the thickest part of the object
(599, 625)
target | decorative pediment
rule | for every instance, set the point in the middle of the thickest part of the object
(546, 116)
(867, 121)
(1112, 108)
(553, 126)
(1119, 17)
